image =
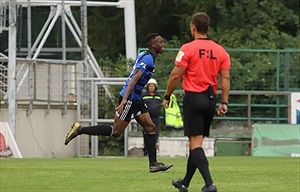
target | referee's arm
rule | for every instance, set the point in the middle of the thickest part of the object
(174, 79)
(225, 84)
(173, 82)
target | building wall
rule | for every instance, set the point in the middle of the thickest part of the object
(41, 135)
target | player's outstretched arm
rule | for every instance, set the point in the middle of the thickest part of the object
(136, 76)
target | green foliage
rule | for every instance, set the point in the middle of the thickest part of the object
(109, 146)
(120, 65)
(289, 72)
(253, 71)
(106, 31)
(259, 24)
(112, 146)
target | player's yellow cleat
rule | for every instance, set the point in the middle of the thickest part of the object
(75, 131)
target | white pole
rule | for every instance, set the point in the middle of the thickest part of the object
(11, 90)
(130, 41)
(83, 10)
(29, 29)
(130, 31)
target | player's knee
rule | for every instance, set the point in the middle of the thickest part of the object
(117, 133)
(150, 128)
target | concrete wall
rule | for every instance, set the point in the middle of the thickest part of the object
(173, 146)
(41, 135)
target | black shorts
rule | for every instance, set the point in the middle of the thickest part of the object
(198, 110)
(130, 108)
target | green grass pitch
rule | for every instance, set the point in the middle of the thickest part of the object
(253, 174)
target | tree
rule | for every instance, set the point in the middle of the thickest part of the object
(258, 24)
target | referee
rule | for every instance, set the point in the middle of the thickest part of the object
(199, 63)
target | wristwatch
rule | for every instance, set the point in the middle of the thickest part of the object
(167, 97)
(224, 103)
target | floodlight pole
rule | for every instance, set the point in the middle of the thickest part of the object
(130, 42)
(130, 29)
(11, 90)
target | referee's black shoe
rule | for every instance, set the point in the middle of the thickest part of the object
(75, 131)
(211, 188)
(178, 184)
(158, 166)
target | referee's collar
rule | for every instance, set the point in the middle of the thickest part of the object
(203, 38)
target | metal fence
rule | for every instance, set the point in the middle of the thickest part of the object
(261, 82)
(251, 69)
(40, 81)
(274, 107)
(260, 88)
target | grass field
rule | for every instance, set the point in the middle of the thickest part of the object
(251, 174)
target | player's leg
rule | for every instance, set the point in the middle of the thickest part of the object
(149, 135)
(77, 129)
(105, 130)
(194, 106)
(120, 123)
(204, 110)
(199, 157)
(208, 117)
(183, 184)
(156, 122)
(157, 130)
(145, 121)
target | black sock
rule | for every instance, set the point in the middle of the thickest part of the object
(104, 130)
(201, 163)
(145, 148)
(150, 146)
(190, 170)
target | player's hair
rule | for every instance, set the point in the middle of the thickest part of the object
(202, 21)
(149, 37)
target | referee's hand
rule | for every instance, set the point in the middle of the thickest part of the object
(166, 103)
(222, 110)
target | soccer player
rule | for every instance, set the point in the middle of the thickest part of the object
(131, 103)
(199, 62)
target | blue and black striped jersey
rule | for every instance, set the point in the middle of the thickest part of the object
(144, 62)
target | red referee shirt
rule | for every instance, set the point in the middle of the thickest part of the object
(203, 59)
